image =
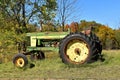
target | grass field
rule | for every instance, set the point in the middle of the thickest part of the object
(53, 69)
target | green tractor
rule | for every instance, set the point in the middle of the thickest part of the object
(73, 47)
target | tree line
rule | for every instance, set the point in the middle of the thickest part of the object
(20, 17)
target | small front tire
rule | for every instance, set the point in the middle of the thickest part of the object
(20, 60)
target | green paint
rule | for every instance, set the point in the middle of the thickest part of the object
(44, 38)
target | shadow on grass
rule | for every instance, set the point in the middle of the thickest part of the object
(31, 65)
(87, 65)
(91, 64)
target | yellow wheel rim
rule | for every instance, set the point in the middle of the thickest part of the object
(77, 51)
(20, 62)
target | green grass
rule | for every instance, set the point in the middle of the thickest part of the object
(53, 69)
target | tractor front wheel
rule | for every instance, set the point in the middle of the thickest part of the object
(20, 60)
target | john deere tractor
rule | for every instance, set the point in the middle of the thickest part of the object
(73, 47)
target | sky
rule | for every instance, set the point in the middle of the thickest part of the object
(106, 12)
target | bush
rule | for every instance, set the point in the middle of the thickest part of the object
(8, 42)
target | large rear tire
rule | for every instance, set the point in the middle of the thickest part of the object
(98, 47)
(76, 48)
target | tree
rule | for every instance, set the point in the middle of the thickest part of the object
(65, 11)
(84, 24)
(14, 10)
(107, 36)
(8, 35)
(28, 11)
(117, 38)
(48, 12)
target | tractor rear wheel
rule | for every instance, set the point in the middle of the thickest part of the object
(76, 48)
(98, 48)
(37, 55)
(20, 60)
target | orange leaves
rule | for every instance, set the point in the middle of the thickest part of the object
(105, 32)
(73, 27)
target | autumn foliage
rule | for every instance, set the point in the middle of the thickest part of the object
(73, 27)
(109, 37)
